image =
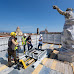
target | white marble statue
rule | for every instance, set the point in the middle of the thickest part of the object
(68, 29)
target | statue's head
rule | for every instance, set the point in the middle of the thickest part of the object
(69, 9)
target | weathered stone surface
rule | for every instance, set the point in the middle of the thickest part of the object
(68, 29)
(67, 55)
(67, 35)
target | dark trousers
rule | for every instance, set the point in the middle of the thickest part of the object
(24, 48)
(17, 52)
(30, 46)
(11, 53)
(39, 45)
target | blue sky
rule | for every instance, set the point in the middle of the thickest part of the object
(32, 14)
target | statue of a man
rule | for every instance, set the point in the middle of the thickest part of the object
(68, 29)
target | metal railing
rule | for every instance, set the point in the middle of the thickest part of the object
(52, 38)
(48, 38)
(4, 42)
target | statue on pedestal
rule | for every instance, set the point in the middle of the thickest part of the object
(68, 29)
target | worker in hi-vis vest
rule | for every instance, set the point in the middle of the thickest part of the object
(24, 42)
(11, 46)
(16, 49)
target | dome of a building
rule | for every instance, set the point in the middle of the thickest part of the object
(18, 31)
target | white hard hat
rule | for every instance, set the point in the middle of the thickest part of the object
(40, 34)
(25, 35)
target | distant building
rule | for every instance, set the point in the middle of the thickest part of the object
(54, 32)
(4, 34)
(44, 32)
(37, 30)
(18, 31)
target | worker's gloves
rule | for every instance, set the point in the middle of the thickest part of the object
(55, 7)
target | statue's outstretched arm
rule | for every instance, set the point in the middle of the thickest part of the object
(60, 11)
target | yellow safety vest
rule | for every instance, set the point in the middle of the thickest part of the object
(24, 40)
(16, 46)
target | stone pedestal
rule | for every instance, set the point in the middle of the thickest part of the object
(67, 55)
(67, 38)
